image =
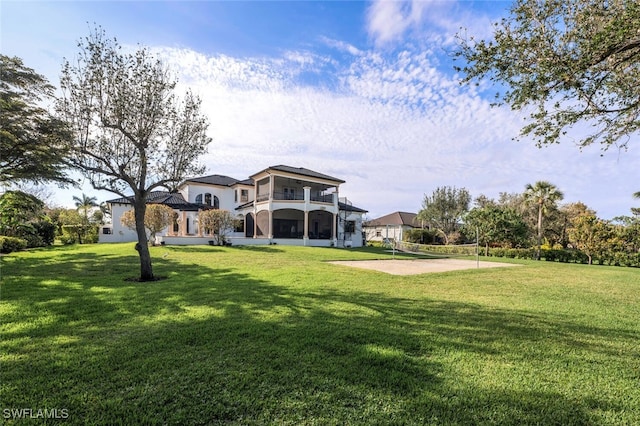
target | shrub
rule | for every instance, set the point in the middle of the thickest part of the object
(618, 258)
(81, 234)
(422, 236)
(10, 244)
(46, 230)
(67, 239)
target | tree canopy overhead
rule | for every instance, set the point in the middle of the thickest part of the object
(133, 134)
(32, 141)
(571, 61)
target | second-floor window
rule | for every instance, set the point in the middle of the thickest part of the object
(244, 195)
(210, 200)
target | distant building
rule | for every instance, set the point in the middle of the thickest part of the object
(392, 226)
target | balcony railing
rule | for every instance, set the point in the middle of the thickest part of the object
(287, 196)
(324, 198)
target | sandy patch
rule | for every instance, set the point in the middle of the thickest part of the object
(419, 266)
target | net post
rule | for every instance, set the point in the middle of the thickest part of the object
(477, 248)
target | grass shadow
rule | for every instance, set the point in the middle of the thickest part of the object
(212, 344)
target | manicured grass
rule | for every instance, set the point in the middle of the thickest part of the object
(275, 335)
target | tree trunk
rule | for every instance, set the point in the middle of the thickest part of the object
(539, 242)
(146, 270)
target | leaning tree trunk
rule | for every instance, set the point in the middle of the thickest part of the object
(146, 270)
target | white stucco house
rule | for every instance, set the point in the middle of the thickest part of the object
(278, 205)
(391, 226)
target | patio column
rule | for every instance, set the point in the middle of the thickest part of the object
(307, 202)
(170, 231)
(270, 235)
(183, 224)
(199, 227)
(333, 230)
(255, 222)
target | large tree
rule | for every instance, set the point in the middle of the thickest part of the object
(444, 208)
(544, 196)
(496, 225)
(590, 235)
(132, 132)
(32, 141)
(22, 215)
(568, 62)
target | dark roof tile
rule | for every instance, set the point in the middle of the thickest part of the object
(219, 180)
(395, 219)
(302, 172)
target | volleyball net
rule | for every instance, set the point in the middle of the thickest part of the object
(436, 250)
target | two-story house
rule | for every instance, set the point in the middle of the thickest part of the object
(278, 205)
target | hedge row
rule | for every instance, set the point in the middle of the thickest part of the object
(11, 244)
(568, 256)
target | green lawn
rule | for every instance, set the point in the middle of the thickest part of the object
(275, 335)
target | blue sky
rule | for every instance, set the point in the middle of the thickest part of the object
(364, 91)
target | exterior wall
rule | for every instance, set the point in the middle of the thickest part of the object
(392, 232)
(238, 201)
(351, 239)
(119, 232)
(225, 195)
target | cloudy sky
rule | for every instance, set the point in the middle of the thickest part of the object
(363, 91)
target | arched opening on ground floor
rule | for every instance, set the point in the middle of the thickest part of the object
(288, 223)
(249, 225)
(262, 224)
(320, 225)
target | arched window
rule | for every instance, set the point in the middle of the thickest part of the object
(207, 199)
(216, 202)
(199, 199)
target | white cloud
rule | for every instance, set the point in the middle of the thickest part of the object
(435, 21)
(388, 20)
(386, 118)
(395, 130)
(341, 46)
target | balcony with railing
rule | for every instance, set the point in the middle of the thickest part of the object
(299, 196)
(290, 191)
(288, 195)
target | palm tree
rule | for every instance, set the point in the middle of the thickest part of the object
(636, 194)
(544, 195)
(85, 203)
